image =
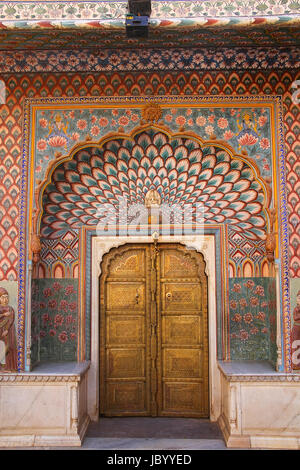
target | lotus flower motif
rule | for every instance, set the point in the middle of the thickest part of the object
(57, 141)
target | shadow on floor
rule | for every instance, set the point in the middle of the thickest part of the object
(140, 427)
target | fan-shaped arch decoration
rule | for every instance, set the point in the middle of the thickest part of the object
(184, 170)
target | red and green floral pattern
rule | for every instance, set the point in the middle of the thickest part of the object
(252, 307)
(54, 320)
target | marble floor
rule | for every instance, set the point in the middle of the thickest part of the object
(149, 434)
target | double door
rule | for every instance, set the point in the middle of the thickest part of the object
(153, 332)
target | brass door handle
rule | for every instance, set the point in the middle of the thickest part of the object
(169, 296)
(137, 296)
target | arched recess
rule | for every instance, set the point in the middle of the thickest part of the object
(182, 167)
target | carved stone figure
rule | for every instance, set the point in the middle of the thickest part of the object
(8, 353)
(152, 199)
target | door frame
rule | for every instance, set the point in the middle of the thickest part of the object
(203, 244)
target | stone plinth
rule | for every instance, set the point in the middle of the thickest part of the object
(45, 407)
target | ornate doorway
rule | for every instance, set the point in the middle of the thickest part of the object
(153, 332)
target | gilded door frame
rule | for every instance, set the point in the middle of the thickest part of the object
(204, 245)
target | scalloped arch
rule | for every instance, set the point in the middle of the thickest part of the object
(182, 167)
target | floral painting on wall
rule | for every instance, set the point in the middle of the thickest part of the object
(252, 307)
(54, 320)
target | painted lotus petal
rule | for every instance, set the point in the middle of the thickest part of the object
(170, 163)
(236, 164)
(223, 204)
(165, 182)
(137, 154)
(183, 165)
(232, 196)
(232, 176)
(88, 199)
(209, 161)
(151, 152)
(248, 196)
(222, 156)
(110, 169)
(109, 157)
(181, 186)
(192, 180)
(195, 169)
(201, 185)
(87, 180)
(56, 197)
(49, 219)
(243, 215)
(124, 154)
(132, 175)
(113, 145)
(162, 173)
(148, 182)
(203, 198)
(152, 173)
(108, 194)
(180, 153)
(79, 188)
(221, 168)
(228, 212)
(123, 177)
(247, 173)
(72, 176)
(241, 185)
(76, 213)
(60, 174)
(63, 187)
(122, 166)
(215, 210)
(157, 181)
(219, 218)
(183, 177)
(95, 190)
(159, 140)
(205, 174)
(144, 140)
(237, 205)
(216, 180)
(158, 163)
(257, 221)
(84, 168)
(209, 190)
(166, 151)
(258, 232)
(96, 162)
(225, 187)
(72, 197)
(99, 174)
(195, 156)
(59, 224)
(68, 206)
(254, 208)
(173, 175)
(145, 163)
(217, 196)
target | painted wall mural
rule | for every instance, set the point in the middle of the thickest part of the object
(179, 164)
(245, 79)
(252, 308)
(54, 320)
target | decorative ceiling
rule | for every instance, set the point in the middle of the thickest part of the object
(101, 25)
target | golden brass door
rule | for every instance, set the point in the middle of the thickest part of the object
(153, 332)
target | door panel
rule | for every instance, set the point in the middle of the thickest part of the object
(154, 339)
